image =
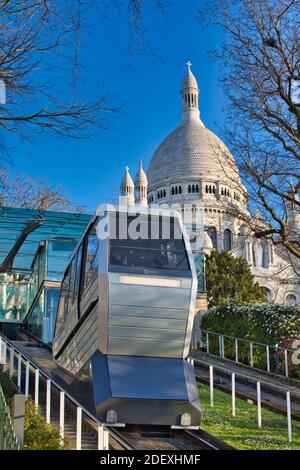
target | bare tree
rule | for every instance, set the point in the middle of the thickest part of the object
(36, 67)
(26, 192)
(45, 89)
(260, 58)
(39, 44)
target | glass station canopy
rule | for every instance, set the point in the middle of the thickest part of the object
(22, 230)
(35, 247)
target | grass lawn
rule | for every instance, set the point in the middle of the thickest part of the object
(242, 432)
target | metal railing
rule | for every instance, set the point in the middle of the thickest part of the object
(8, 440)
(11, 356)
(257, 384)
(261, 356)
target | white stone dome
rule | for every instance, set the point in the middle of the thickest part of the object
(127, 180)
(140, 177)
(191, 152)
(189, 81)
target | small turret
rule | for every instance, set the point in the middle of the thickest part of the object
(140, 187)
(293, 216)
(190, 97)
(127, 189)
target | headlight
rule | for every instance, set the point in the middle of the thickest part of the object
(111, 417)
(186, 419)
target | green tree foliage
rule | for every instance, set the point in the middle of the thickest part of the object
(38, 435)
(229, 280)
(8, 386)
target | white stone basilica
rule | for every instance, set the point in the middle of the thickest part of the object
(193, 168)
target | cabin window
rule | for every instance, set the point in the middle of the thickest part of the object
(164, 250)
(77, 275)
(63, 302)
(91, 260)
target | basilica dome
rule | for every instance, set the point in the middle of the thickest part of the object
(192, 153)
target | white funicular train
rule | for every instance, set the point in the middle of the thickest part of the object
(125, 320)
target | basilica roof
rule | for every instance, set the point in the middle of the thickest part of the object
(191, 151)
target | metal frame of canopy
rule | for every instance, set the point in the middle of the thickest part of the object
(22, 231)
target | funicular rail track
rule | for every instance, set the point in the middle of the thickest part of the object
(80, 428)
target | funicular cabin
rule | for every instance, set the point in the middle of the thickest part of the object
(125, 319)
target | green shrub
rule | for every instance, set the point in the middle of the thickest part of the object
(264, 323)
(38, 435)
(8, 386)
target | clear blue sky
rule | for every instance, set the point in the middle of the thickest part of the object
(90, 170)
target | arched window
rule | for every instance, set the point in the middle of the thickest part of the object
(214, 190)
(253, 254)
(291, 300)
(165, 193)
(197, 188)
(227, 239)
(268, 293)
(189, 188)
(212, 232)
(265, 255)
(206, 188)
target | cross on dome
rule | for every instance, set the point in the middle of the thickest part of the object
(189, 64)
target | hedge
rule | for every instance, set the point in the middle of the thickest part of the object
(266, 323)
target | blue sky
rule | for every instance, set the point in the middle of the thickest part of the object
(90, 170)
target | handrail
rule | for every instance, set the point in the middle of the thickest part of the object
(236, 341)
(61, 389)
(247, 340)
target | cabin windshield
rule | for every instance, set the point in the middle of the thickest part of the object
(147, 242)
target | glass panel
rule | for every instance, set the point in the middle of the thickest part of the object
(35, 322)
(13, 297)
(159, 246)
(59, 253)
(63, 302)
(146, 232)
(50, 310)
(91, 264)
(72, 281)
(145, 258)
(78, 274)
